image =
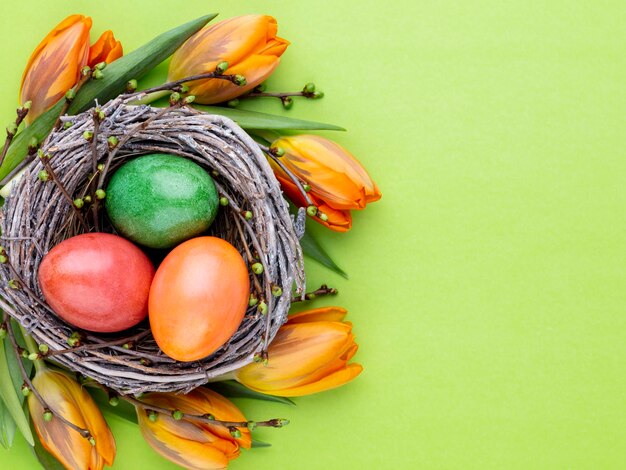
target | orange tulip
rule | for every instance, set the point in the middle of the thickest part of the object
(309, 354)
(55, 65)
(68, 399)
(249, 45)
(193, 444)
(338, 181)
(105, 49)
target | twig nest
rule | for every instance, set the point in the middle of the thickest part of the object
(38, 216)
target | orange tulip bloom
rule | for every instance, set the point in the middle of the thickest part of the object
(105, 49)
(309, 354)
(338, 181)
(249, 45)
(67, 398)
(55, 65)
(339, 221)
(193, 444)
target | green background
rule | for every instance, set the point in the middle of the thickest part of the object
(487, 286)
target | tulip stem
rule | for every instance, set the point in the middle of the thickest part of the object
(22, 111)
(322, 291)
(16, 347)
(272, 423)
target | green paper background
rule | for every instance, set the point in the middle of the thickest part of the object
(487, 286)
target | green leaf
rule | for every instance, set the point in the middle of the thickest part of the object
(232, 389)
(255, 120)
(256, 443)
(45, 458)
(116, 75)
(314, 250)
(40, 128)
(7, 427)
(10, 392)
(135, 65)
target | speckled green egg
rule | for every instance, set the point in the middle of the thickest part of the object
(160, 200)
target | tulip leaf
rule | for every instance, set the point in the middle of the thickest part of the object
(314, 250)
(256, 444)
(133, 65)
(255, 120)
(7, 427)
(232, 389)
(10, 390)
(45, 458)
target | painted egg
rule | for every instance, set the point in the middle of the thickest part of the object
(97, 281)
(160, 200)
(198, 298)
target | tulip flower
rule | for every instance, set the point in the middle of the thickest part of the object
(337, 180)
(55, 65)
(309, 354)
(105, 49)
(190, 443)
(67, 399)
(247, 43)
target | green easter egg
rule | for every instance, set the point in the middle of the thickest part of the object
(160, 200)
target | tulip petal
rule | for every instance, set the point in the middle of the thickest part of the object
(54, 67)
(334, 380)
(105, 49)
(335, 176)
(249, 45)
(339, 221)
(66, 398)
(180, 450)
(318, 314)
(299, 354)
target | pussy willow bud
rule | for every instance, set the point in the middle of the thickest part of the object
(79, 203)
(189, 99)
(112, 141)
(277, 291)
(86, 70)
(221, 67)
(287, 102)
(47, 416)
(43, 348)
(309, 88)
(223, 201)
(88, 135)
(101, 66)
(100, 194)
(239, 80)
(12, 129)
(262, 307)
(70, 94)
(257, 268)
(131, 86)
(174, 98)
(312, 211)
(177, 415)
(278, 151)
(44, 175)
(253, 300)
(97, 74)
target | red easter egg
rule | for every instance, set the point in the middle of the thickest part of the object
(97, 281)
(198, 298)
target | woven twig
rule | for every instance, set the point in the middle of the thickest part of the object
(37, 216)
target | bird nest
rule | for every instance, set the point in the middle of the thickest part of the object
(78, 157)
